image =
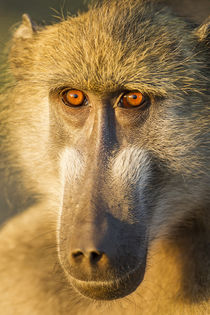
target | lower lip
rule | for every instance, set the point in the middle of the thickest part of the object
(111, 290)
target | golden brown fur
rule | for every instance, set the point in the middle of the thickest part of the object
(166, 58)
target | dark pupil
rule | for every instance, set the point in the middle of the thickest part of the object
(134, 96)
(75, 95)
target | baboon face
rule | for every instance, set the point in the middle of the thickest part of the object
(120, 133)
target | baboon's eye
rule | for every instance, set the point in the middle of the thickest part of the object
(132, 99)
(73, 98)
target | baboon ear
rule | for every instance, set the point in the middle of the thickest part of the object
(203, 31)
(26, 29)
(21, 48)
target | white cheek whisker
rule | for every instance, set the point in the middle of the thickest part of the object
(71, 164)
(131, 166)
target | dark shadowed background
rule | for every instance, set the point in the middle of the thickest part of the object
(48, 11)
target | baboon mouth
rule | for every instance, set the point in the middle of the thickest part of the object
(111, 290)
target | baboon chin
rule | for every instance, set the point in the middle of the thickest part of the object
(105, 145)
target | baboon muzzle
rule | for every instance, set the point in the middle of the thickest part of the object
(104, 256)
(101, 266)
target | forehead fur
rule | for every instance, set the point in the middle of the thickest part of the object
(134, 45)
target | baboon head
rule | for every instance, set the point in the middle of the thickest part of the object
(111, 108)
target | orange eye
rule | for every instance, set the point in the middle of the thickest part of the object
(73, 98)
(132, 99)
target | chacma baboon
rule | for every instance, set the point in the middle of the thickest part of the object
(108, 122)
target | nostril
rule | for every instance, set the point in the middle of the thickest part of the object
(77, 255)
(95, 256)
(92, 256)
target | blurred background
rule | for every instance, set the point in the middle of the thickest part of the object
(45, 12)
